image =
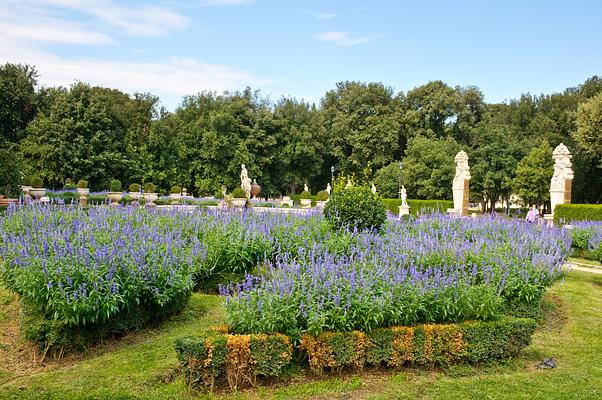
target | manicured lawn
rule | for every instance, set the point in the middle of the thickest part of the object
(584, 261)
(142, 365)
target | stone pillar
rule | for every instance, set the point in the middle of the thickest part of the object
(562, 180)
(461, 185)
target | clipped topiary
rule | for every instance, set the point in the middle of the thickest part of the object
(355, 207)
(149, 187)
(175, 189)
(218, 195)
(115, 185)
(37, 182)
(134, 187)
(322, 195)
(239, 193)
(82, 184)
(26, 180)
(306, 195)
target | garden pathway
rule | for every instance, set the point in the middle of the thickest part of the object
(581, 267)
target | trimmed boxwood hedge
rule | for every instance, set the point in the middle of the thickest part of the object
(565, 213)
(419, 206)
(239, 359)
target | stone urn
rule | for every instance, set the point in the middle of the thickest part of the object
(255, 189)
(321, 204)
(150, 199)
(83, 192)
(37, 193)
(305, 203)
(25, 189)
(135, 195)
(115, 197)
(175, 198)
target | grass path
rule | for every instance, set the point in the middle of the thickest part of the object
(142, 365)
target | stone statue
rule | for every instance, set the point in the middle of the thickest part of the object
(348, 185)
(373, 188)
(462, 170)
(328, 188)
(561, 183)
(460, 185)
(305, 188)
(245, 181)
(404, 196)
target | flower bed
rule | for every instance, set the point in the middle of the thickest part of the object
(434, 270)
(586, 239)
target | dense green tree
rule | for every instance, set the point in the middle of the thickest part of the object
(362, 125)
(429, 167)
(589, 127)
(533, 174)
(11, 171)
(493, 162)
(17, 101)
(387, 180)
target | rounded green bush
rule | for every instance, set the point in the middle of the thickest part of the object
(115, 185)
(149, 187)
(239, 193)
(134, 187)
(27, 180)
(218, 195)
(322, 195)
(82, 184)
(355, 207)
(37, 182)
(305, 195)
(175, 189)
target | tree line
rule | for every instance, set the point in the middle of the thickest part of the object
(361, 129)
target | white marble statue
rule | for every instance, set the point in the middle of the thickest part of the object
(404, 196)
(462, 170)
(460, 187)
(348, 185)
(373, 188)
(245, 181)
(560, 185)
(328, 188)
(305, 188)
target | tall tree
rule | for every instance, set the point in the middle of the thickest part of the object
(17, 100)
(589, 127)
(533, 174)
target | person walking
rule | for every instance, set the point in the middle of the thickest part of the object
(532, 215)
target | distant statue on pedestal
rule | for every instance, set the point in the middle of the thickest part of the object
(305, 188)
(404, 196)
(561, 183)
(245, 181)
(373, 188)
(460, 185)
(328, 188)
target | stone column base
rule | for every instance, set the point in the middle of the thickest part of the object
(404, 210)
(548, 219)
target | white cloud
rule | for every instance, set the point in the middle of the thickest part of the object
(324, 15)
(344, 38)
(52, 31)
(170, 79)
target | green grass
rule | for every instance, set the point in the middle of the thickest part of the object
(143, 365)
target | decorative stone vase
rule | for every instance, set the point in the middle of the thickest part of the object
(150, 199)
(255, 189)
(83, 196)
(306, 203)
(25, 189)
(321, 204)
(175, 198)
(238, 203)
(115, 197)
(37, 193)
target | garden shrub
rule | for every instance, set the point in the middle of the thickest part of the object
(115, 186)
(237, 359)
(355, 207)
(27, 180)
(82, 184)
(135, 188)
(239, 193)
(322, 195)
(566, 213)
(175, 189)
(586, 239)
(69, 185)
(149, 187)
(219, 195)
(37, 182)
(305, 195)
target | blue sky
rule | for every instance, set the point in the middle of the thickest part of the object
(172, 48)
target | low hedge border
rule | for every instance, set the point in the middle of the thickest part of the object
(419, 206)
(566, 213)
(239, 359)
